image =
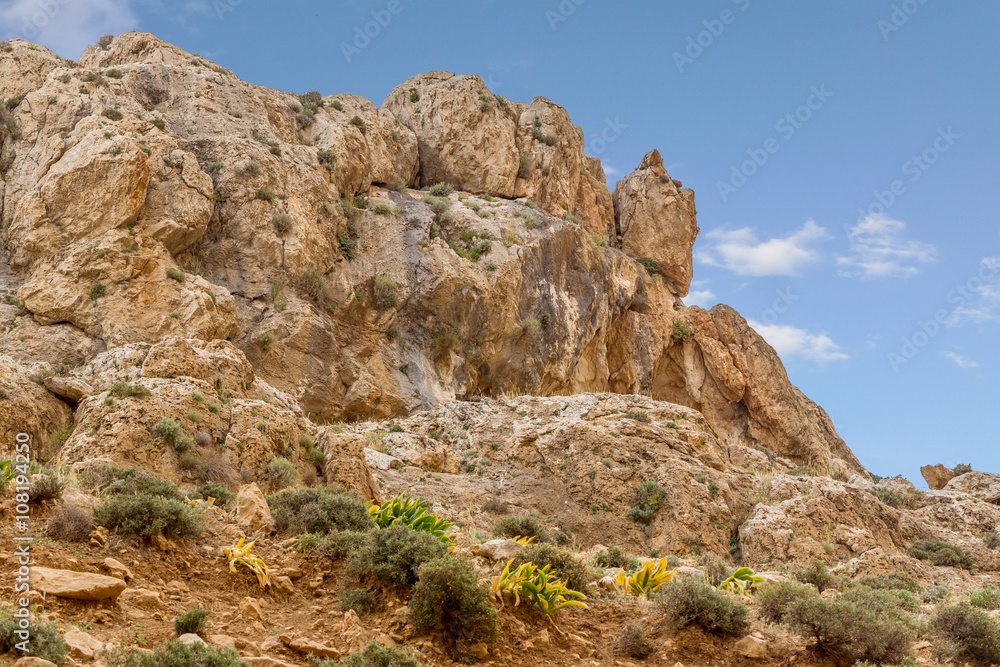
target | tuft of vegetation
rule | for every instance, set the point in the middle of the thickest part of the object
(943, 553)
(313, 281)
(615, 556)
(113, 114)
(893, 498)
(682, 331)
(991, 539)
(691, 601)
(564, 564)
(282, 222)
(444, 342)
(45, 487)
(210, 489)
(105, 41)
(651, 265)
(522, 526)
(987, 598)
(70, 523)
(144, 514)
(282, 473)
(176, 274)
(172, 435)
(359, 123)
(649, 497)
(441, 189)
(962, 468)
(98, 290)
(817, 574)
(193, 621)
(373, 654)
(448, 595)
(347, 247)
(776, 598)
(638, 415)
(123, 389)
(266, 340)
(324, 510)
(384, 292)
(176, 654)
(114, 73)
(965, 632)
(43, 639)
(898, 581)
(631, 642)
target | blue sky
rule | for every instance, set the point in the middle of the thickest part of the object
(844, 158)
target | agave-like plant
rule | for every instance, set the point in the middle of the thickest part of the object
(741, 581)
(536, 584)
(240, 553)
(523, 541)
(7, 474)
(412, 513)
(647, 579)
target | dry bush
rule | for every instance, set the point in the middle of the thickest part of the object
(70, 523)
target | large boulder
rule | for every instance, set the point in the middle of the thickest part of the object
(465, 136)
(656, 219)
(75, 585)
(936, 476)
(252, 512)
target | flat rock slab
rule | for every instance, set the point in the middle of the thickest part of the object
(76, 585)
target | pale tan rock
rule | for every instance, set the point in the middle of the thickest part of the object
(190, 639)
(118, 569)
(76, 585)
(380, 461)
(303, 645)
(250, 608)
(70, 388)
(496, 549)
(897, 484)
(81, 644)
(459, 142)
(936, 476)
(265, 661)
(656, 219)
(345, 463)
(25, 67)
(751, 647)
(223, 640)
(31, 661)
(252, 512)
(982, 485)
(27, 407)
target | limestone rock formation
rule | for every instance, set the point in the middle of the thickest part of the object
(982, 485)
(936, 476)
(656, 220)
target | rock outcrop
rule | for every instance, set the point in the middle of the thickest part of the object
(936, 476)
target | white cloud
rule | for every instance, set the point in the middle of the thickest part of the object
(980, 295)
(741, 251)
(704, 298)
(65, 26)
(879, 250)
(611, 171)
(789, 341)
(961, 361)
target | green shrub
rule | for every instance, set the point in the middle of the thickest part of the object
(45, 487)
(651, 265)
(615, 556)
(448, 595)
(817, 574)
(282, 222)
(942, 553)
(649, 497)
(715, 570)
(108, 480)
(691, 601)
(266, 340)
(282, 473)
(192, 621)
(894, 499)
(391, 556)
(935, 594)
(987, 598)
(176, 654)
(347, 247)
(112, 114)
(43, 639)
(359, 123)
(682, 331)
(564, 564)
(146, 515)
(991, 539)
(265, 195)
(97, 291)
(373, 654)
(632, 643)
(324, 510)
(114, 73)
(222, 495)
(327, 158)
(313, 281)
(967, 632)
(172, 435)
(441, 189)
(385, 292)
(361, 600)
(859, 624)
(176, 274)
(522, 526)
(962, 468)
(638, 415)
(382, 208)
(127, 389)
(892, 581)
(775, 598)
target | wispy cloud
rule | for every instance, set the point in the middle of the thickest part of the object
(611, 171)
(879, 249)
(961, 361)
(66, 27)
(985, 292)
(740, 251)
(789, 341)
